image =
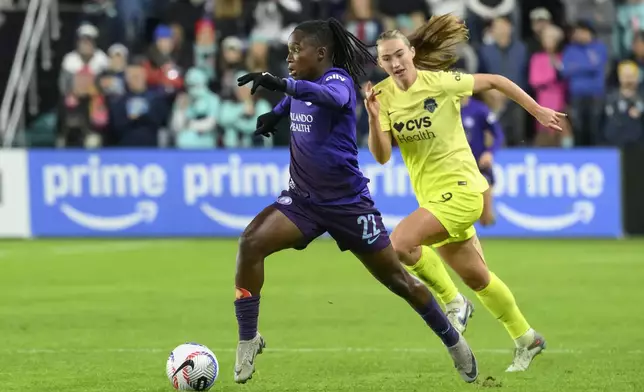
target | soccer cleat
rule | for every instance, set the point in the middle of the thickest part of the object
(459, 317)
(523, 356)
(464, 360)
(247, 350)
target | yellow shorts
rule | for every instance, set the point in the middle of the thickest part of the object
(457, 211)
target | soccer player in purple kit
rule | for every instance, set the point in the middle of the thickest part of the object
(327, 191)
(485, 136)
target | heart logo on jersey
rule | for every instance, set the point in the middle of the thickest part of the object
(399, 126)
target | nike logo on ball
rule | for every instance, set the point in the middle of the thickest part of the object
(184, 365)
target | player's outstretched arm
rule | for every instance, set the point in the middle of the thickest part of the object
(379, 141)
(333, 93)
(547, 117)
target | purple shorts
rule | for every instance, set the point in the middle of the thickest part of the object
(356, 227)
(488, 173)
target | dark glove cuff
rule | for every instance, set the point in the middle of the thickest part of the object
(281, 84)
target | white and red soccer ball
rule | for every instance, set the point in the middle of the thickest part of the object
(192, 367)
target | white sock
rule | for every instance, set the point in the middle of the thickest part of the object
(457, 303)
(526, 339)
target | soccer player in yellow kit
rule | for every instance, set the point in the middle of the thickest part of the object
(418, 105)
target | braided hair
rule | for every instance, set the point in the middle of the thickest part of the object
(347, 51)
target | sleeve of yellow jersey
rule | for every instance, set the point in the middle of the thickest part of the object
(457, 84)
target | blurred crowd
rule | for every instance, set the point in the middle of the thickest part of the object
(177, 85)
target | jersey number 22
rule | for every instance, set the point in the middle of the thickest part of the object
(364, 220)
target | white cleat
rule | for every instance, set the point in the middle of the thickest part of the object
(247, 350)
(459, 316)
(464, 360)
(523, 356)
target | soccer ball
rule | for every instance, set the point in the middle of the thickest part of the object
(192, 367)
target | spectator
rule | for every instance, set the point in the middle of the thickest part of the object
(507, 56)
(131, 18)
(540, 18)
(403, 14)
(550, 90)
(194, 116)
(274, 22)
(136, 117)
(637, 55)
(205, 48)
(238, 118)
(182, 52)
(624, 123)
(480, 12)
(229, 17)
(362, 23)
(112, 81)
(583, 65)
(443, 7)
(232, 60)
(161, 67)
(86, 56)
(82, 114)
(468, 59)
(600, 13)
(185, 13)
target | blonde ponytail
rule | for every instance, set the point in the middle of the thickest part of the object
(436, 42)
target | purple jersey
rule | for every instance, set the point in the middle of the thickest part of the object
(324, 153)
(477, 118)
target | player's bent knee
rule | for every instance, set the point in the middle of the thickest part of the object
(402, 247)
(252, 243)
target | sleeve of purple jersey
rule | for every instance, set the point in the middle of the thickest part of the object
(494, 126)
(283, 107)
(334, 93)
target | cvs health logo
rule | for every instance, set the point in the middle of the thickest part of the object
(84, 192)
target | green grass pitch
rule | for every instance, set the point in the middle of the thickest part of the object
(81, 315)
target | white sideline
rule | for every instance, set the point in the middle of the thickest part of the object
(284, 350)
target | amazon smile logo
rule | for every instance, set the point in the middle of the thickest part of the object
(68, 187)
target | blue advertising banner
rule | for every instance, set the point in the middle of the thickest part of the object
(125, 193)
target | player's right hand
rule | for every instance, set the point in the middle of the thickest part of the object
(371, 102)
(550, 118)
(266, 124)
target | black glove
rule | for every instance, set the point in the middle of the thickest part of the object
(265, 79)
(266, 124)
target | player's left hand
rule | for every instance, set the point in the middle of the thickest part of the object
(486, 160)
(264, 79)
(266, 124)
(550, 118)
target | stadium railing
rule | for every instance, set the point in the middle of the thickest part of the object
(39, 15)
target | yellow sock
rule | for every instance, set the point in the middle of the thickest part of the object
(432, 272)
(498, 299)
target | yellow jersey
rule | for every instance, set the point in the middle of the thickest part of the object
(426, 122)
